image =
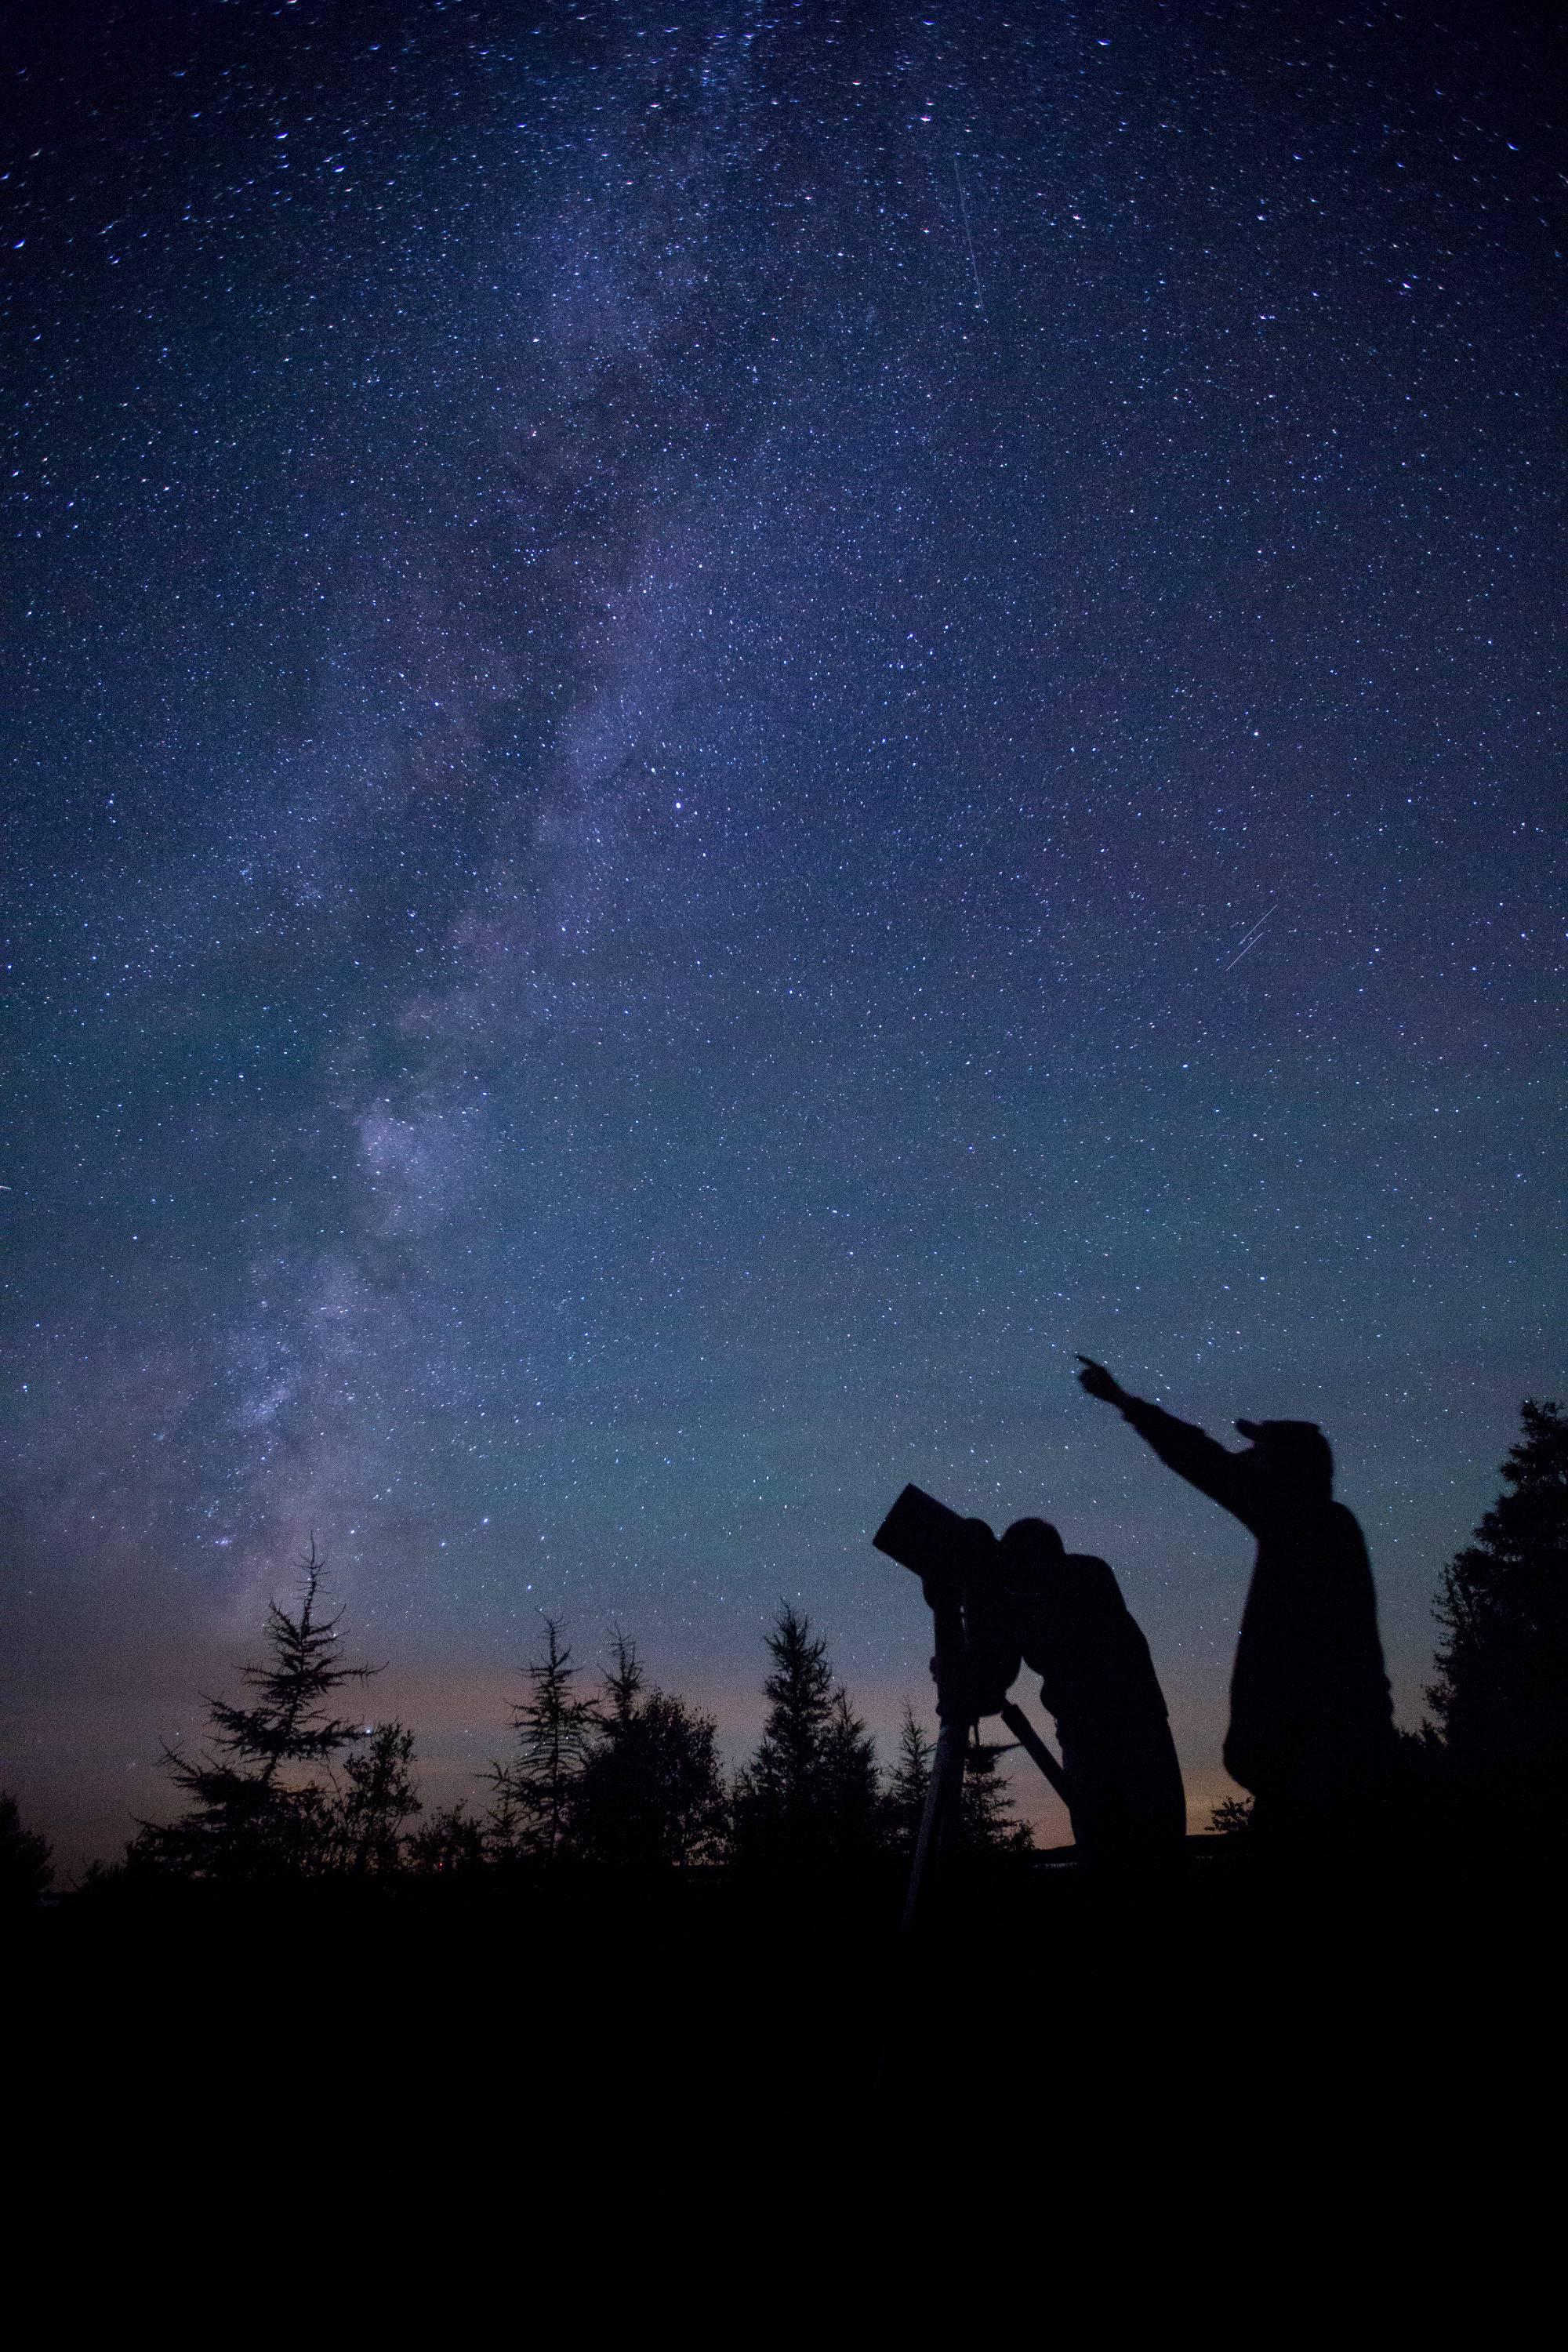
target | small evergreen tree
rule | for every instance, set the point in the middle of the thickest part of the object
(1232, 1817)
(851, 1798)
(778, 1793)
(623, 1680)
(1502, 1666)
(379, 1797)
(985, 1823)
(530, 1814)
(650, 1793)
(26, 1870)
(909, 1784)
(449, 1844)
(252, 1815)
(809, 1793)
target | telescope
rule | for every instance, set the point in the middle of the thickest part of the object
(944, 1551)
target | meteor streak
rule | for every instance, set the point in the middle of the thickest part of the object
(968, 238)
(1250, 942)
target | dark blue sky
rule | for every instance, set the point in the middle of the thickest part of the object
(662, 664)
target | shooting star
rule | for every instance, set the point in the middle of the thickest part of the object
(1250, 941)
(968, 239)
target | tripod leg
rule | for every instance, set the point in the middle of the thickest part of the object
(1029, 1741)
(946, 1779)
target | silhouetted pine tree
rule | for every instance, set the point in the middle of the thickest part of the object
(809, 1793)
(1502, 1668)
(984, 1823)
(251, 1816)
(379, 1798)
(25, 1871)
(650, 1793)
(850, 1787)
(624, 1681)
(530, 1814)
(904, 1798)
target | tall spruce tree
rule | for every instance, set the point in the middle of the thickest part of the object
(809, 1793)
(530, 1813)
(1502, 1666)
(259, 1809)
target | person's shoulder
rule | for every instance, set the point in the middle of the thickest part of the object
(1091, 1574)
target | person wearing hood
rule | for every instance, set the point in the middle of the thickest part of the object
(1312, 1720)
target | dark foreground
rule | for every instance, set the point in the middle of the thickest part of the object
(1034, 1959)
(1141, 2090)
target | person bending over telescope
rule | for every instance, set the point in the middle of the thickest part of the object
(998, 1605)
(1311, 1721)
(1128, 1806)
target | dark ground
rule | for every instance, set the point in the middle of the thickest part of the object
(1223, 2103)
(1029, 1967)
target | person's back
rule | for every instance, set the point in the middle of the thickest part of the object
(1098, 1680)
(1311, 1716)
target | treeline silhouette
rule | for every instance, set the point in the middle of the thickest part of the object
(606, 1774)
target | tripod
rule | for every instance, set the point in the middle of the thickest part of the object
(956, 1684)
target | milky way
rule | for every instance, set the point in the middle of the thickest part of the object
(727, 724)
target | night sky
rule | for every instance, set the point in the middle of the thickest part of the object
(724, 723)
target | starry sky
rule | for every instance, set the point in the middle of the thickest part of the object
(724, 723)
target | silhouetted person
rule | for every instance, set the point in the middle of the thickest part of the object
(1311, 1723)
(1128, 1805)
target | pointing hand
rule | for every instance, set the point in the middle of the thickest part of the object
(1097, 1382)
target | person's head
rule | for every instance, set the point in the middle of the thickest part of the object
(1292, 1454)
(1031, 1545)
(1029, 1561)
